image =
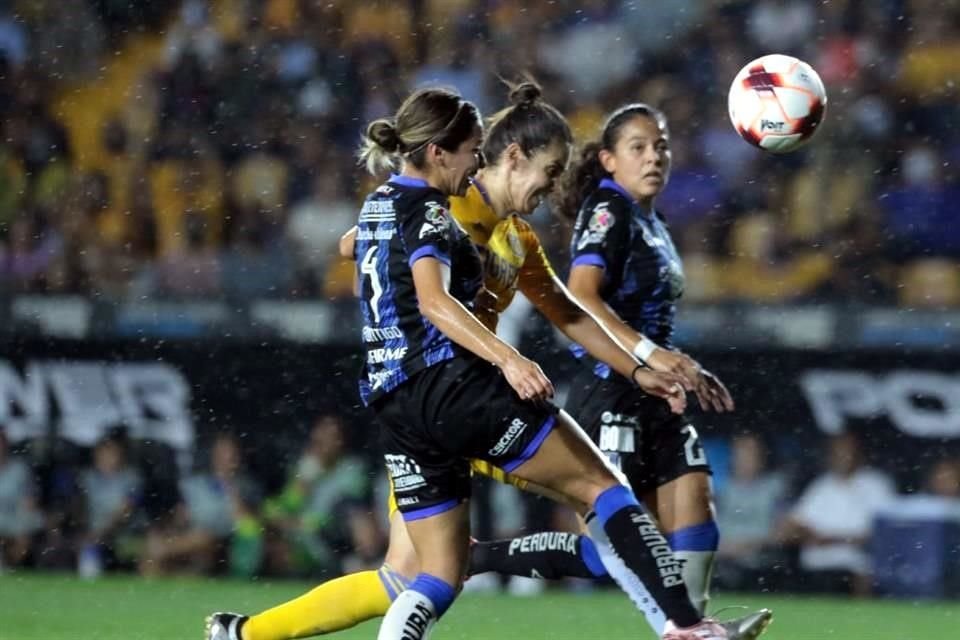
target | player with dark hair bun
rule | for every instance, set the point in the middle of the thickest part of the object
(627, 272)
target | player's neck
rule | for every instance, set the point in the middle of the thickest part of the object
(410, 171)
(494, 192)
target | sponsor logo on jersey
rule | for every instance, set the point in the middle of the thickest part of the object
(379, 334)
(619, 419)
(598, 226)
(385, 232)
(377, 211)
(437, 220)
(379, 378)
(386, 354)
(516, 428)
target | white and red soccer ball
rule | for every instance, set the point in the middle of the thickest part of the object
(777, 103)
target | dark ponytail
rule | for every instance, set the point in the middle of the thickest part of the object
(586, 172)
(529, 122)
(583, 176)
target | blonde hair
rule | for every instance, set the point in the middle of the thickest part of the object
(428, 116)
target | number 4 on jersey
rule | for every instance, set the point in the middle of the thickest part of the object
(368, 267)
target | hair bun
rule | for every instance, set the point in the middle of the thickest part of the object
(525, 93)
(384, 134)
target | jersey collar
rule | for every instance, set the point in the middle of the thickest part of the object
(610, 183)
(408, 181)
(483, 191)
(478, 201)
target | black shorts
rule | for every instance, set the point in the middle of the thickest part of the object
(434, 423)
(636, 431)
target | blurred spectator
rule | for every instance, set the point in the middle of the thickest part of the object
(215, 526)
(110, 490)
(192, 271)
(749, 507)
(20, 517)
(250, 101)
(322, 520)
(944, 479)
(255, 264)
(317, 222)
(833, 519)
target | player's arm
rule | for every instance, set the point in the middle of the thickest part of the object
(586, 283)
(347, 242)
(538, 282)
(431, 279)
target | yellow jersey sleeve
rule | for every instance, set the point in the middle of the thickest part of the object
(536, 274)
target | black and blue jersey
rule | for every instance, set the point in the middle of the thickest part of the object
(643, 274)
(404, 220)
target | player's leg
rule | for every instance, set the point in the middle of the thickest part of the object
(629, 544)
(332, 606)
(548, 554)
(441, 539)
(684, 509)
(674, 478)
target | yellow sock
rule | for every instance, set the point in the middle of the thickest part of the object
(335, 605)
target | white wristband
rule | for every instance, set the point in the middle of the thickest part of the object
(645, 348)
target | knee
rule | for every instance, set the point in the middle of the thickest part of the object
(403, 561)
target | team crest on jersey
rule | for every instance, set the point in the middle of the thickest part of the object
(437, 220)
(598, 226)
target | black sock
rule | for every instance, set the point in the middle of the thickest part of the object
(645, 553)
(549, 555)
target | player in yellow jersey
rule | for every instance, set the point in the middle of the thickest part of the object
(528, 145)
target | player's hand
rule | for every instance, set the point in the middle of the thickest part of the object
(711, 394)
(676, 362)
(668, 386)
(715, 392)
(527, 379)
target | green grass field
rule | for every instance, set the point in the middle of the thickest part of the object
(45, 607)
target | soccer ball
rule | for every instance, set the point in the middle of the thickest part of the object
(777, 103)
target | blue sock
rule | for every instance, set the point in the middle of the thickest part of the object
(588, 552)
(613, 500)
(436, 590)
(699, 537)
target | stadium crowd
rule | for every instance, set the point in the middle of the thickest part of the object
(122, 505)
(218, 167)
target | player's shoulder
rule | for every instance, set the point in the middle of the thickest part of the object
(426, 202)
(523, 229)
(606, 204)
(469, 208)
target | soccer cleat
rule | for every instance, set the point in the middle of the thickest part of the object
(748, 627)
(224, 626)
(706, 629)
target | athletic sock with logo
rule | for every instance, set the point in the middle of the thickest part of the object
(639, 559)
(548, 554)
(415, 611)
(696, 547)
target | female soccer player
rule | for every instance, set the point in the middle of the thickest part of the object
(438, 407)
(627, 272)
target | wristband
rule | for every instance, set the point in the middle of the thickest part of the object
(633, 374)
(645, 348)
